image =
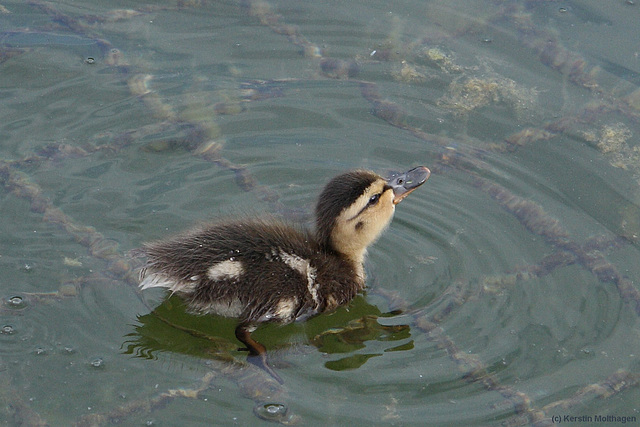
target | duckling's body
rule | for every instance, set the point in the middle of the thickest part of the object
(267, 271)
(255, 270)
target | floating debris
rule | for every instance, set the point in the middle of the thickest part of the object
(72, 262)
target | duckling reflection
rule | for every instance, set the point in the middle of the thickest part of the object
(345, 333)
(265, 271)
(170, 328)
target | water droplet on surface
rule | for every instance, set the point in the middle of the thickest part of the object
(40, 351)
(271, 411)
(15, 302)
(98, 363)
(7, 330)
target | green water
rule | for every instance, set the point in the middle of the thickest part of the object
(505, 290)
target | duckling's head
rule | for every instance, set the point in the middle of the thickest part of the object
(355, 208)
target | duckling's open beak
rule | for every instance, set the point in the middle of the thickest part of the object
(404, 183)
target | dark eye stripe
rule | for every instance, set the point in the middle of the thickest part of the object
(373, 200)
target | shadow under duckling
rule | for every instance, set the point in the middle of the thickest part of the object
(263, 270)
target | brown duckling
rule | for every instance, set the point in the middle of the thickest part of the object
(263, 270)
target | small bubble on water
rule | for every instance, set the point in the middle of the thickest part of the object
(98, 362)
(15, 302)
(7, 330)
(271, 411)
(68, 350)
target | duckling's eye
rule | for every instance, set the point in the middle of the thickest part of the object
(374, 199)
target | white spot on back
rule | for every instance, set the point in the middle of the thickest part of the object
(303, 266)
(225, 270)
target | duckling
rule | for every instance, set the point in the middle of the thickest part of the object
(263, 270)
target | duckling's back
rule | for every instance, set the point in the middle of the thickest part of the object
(257, 271)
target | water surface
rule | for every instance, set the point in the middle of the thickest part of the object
(505, 290)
